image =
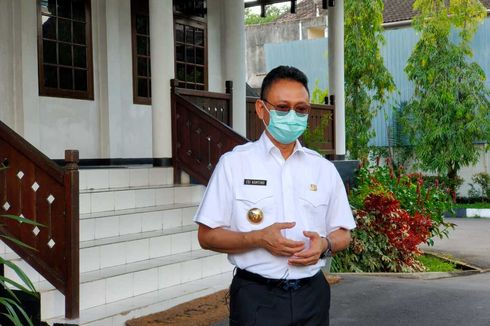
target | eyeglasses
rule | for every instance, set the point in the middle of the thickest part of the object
(301, 110)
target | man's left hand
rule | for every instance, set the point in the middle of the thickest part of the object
(311, 255)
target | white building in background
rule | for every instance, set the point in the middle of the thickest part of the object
(104, 87)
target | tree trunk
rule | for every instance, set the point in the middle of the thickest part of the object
(452, 176)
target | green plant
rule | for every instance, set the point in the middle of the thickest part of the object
(272, 14)
(315, 138)
(386, 238)
(482, 189)
(450, 106)
(318, 95)
(399, 147)
(416, 193)
(367, 81)
(473, 205)
(436, 264)
(12, 304)
(395, 212)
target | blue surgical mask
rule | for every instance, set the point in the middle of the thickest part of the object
(286, 128)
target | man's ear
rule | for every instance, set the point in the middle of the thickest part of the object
(259, 109)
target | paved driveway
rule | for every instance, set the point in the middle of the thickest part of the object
(469, 242)
(379, 301)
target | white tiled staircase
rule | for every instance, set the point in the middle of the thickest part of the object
(139, 252)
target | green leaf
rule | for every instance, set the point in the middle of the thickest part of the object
(19, 273)
(11, 314)
(17, 242)
(12, 294)
(22, 219)
(19, 286)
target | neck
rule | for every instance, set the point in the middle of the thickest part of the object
(285, 149)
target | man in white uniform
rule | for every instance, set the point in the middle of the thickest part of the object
(277, 209)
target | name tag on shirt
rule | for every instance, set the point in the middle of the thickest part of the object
(255, 182)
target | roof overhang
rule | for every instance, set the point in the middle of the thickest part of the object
(263, 3)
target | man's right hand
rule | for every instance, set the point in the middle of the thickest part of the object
(273, 241)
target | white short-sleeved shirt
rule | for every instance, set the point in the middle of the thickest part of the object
(305, 188)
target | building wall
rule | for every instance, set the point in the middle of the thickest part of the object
(259, 35)
(108, 126)
(129, 125)
(310, 56)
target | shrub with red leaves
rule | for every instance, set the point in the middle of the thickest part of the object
(404, 231)
(395, 213)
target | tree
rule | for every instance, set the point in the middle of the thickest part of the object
(272, 14)
(367, 81)
(450, 107)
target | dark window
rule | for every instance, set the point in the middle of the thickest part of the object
(196, 8)
(140, 26)
(65, 49)
(190, 54)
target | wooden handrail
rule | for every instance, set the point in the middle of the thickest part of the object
(218, 105)
(255, 126)
(198, 138)
(35, 187)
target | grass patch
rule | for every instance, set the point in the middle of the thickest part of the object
(473, 205)
(436, 264)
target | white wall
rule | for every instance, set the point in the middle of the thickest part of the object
(129, 125)
(483, 165)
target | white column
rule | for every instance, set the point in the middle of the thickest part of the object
(234, 59)
(28, 62)
(216, 82)
(111, 116)
(336, 71)
(162, 70)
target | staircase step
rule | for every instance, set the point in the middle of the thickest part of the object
(100, 200)
(117, 313)
(113, 284)
(102, 253)
(100, 225)
(125, 177)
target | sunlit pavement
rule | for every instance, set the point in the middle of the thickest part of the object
(469, 241)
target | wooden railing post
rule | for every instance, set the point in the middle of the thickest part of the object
(72, 240)
(229, 90)
(174, 114)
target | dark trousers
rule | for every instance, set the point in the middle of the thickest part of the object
(255, 303)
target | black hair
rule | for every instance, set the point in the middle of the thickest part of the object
(280, 73)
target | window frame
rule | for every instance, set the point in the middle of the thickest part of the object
(195, 22)
(58, 92)
(135, 10)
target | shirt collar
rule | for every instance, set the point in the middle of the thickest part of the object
(268, 145)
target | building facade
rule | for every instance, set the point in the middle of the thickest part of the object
(95, 75)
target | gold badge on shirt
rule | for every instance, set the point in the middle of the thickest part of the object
(255, 215)
(313, 187)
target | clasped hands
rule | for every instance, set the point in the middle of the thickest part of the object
(273, 241)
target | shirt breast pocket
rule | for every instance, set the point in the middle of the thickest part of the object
(313, 210)
(258, 199)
